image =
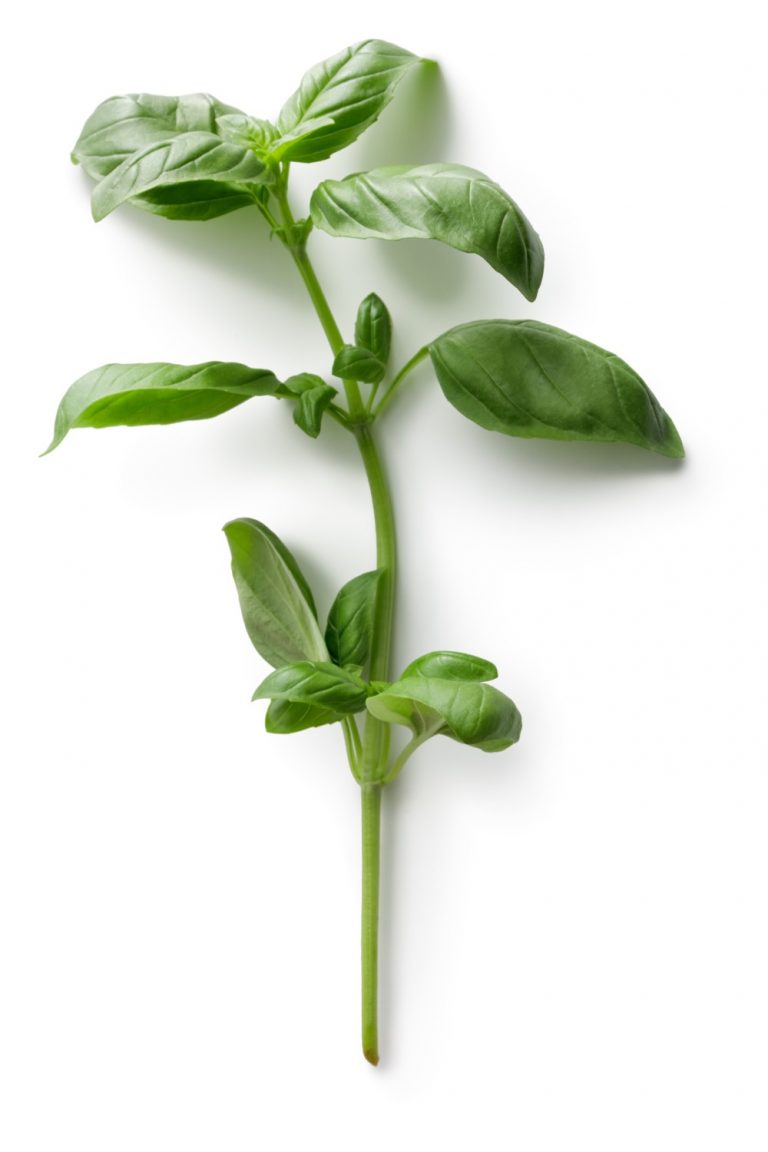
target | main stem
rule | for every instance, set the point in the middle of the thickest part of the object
(373, 765)
(370, 795)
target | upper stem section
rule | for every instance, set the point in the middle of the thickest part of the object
(298, 251)
(386, 552)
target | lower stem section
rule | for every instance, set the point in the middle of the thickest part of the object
(371, 814)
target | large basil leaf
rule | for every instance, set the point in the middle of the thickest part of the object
(447, 202)
(158, 394)
(317, 683)
(528, 379)
(275, 600)
(178, 167)
(287, 716)
(451, 666)
(125, 125)
(344, 95)
(349, 631)
(467, 711)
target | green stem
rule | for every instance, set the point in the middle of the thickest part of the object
(318, 298)
(371, 762)
(409, 750)
(371, 812)
(412, 363)
(386, 555)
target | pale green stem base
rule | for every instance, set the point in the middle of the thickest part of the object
(371, 812)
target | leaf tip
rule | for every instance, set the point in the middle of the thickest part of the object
(57, 439)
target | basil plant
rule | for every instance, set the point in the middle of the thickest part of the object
(196, 158)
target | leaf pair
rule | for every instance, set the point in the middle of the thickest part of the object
(366, 360)
(317, 678)
(444, 693)
(194, 158)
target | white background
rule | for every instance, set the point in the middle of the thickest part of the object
(574, 946)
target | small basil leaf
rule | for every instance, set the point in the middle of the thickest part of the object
(472, 713)
(190, 159)
(458, 206)
(373, 327)
(303, 382)
(350, 90)
(275, 599)
(124, 125)
(349, 630)
(287, 716)
(286, 144)
(524, 378)
(317, 683)
(352, 363)
(195, 200)
(137, 394)
(237, 128)
(310, 407)
(450, 666)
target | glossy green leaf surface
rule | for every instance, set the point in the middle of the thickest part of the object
(285, 147)
(317, 683)
(451, 666)
(313, 396)
(524, 378)
(275, 600)
(310, 408)
(286, 716)
(458, 206)
(467, 711)
(124, 125)
(349, 629)
(137, 394)
(352, 363)
(347, 93)
(373, 327)
(182, 164)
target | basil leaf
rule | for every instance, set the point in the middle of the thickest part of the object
(349, 631)
(313, 397)
(275, 599)
(450, 666)
(196, 200)
(316, 683)
(458, 206)
(472, 713)
(352, 363)
(285, 145)
(373, 327)
(310, 408)
(524, 378)
(137, 394)
(237, 128)
(286, 716)
(350, 90)
(125, 125)
(187, 160)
